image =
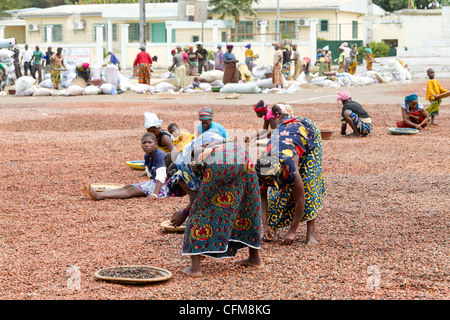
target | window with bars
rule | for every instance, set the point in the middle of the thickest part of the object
(133, 32)
(288, 28)
(105, 31)
(57, 34)
(355, 29)
(245, 27)
(324, 25)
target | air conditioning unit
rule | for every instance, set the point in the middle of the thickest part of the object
(79, 25)
(303, 22)
(33, 27)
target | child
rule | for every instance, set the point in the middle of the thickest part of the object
(433, 89)
(196, 84)
(154, 167)
(281, 111)
(180, 137)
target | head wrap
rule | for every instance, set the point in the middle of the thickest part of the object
(248, 45)
(173, 51)
(229, 46)
(205, 114)
(142, 48)
(219, 45)
(341, 48)
(260, 106)
(267, 169)
(411, 97)
(151, 120)
(345, 44)
(85, 65)
(326, 48)
(286, 47)
(343, 95)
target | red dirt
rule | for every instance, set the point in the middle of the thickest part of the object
(387, 206)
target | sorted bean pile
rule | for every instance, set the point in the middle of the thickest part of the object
(132, 273)
(382, 232)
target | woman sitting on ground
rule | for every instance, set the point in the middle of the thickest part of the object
(354, 115)
(413, 113)
(163, 138)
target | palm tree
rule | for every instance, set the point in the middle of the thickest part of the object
(233, 8)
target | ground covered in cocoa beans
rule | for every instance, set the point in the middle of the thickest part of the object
(382, 232)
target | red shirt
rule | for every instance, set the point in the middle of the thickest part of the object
(143, 57)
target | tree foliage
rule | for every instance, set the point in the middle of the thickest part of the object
(394, 5)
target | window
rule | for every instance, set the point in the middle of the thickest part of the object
(133, 32)
(355, 29)
(288, 28)
(224, 36)
(105, 31)
(57, 35)
(245, 27)
(324, 25)
(195, 38)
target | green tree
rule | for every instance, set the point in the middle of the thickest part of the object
(6, 5)
(379, 49)
(233, 8)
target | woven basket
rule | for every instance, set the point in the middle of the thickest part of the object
(168, 226)
(166, 275)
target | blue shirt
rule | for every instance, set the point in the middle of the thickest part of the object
(156, 162)
(229, 56)
(215, 127)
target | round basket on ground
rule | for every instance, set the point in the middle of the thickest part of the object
(134, 274)
(169, 227)
(402, 131)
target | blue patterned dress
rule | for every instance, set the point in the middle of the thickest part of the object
(296, 136)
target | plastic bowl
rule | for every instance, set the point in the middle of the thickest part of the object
(326, 134)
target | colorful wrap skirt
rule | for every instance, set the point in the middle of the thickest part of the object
(277, 78)
(433, 109)
(362, 127)
(414, 116)
(226, 214)
(281, 202)
(55, 75)
(286, 70)
(144, 73)
(353, 66)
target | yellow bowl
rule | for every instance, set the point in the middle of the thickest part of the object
(136, 165)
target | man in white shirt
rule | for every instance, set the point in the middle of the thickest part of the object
(26, 56)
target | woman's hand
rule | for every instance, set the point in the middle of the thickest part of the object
(268, 234)
(288, 238)
(418, 126)
(178, 218)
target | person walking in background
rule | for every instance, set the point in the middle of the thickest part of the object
(434, 89)
(328, 59)
(277, 78)
(218, 58)
(341, 60)
(192, 61)
(297, 61)
(230, 73)
(249, 56)
(353, 59)
(202, 55)
(17, 61)
(179, 69)
(57, 63)
(47, 59)
(369, 57)
(36, 60)
(26, 56)
(143, 63)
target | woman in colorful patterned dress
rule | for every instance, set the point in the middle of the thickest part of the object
(224, 210)
(277, 78)
(291, 179)
(354, 115)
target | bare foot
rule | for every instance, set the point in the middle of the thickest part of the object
(188, 271)
(311, 240)
(250, 263)
(87, 190)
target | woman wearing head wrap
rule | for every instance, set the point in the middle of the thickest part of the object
(328, 59)
(297, 62)
(270, 120)
(143, 64)
(354, 115)
(286, 71)
(224, 210)
(369, 56)
(249, 56)
(230, 73)
(205, 116)
(277, 78)
(163, 138)
(291, 179)
(413, 113)
(353, 59)
(341, 59)
(84, 72)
